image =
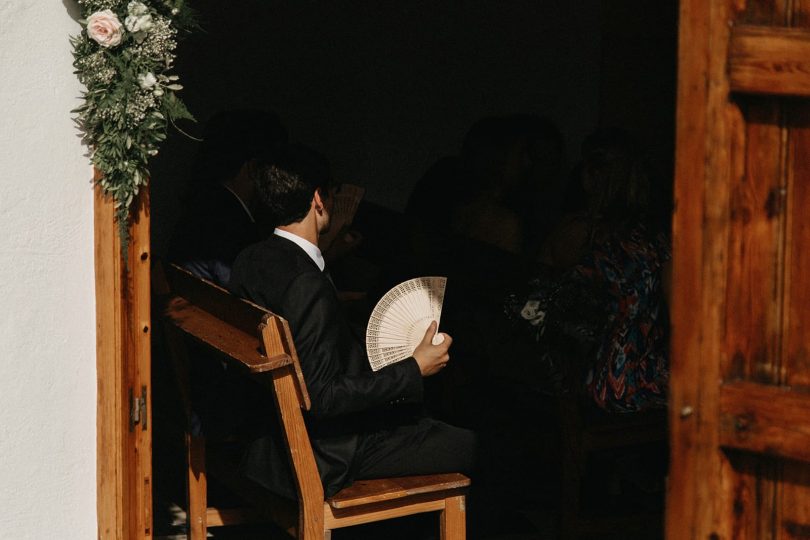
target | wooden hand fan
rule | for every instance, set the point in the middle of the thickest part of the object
(347, 200)
(400, 319)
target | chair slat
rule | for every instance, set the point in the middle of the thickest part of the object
(215, 300)
(371, 491)
(232, 342)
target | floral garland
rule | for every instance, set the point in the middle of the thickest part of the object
(130, 96)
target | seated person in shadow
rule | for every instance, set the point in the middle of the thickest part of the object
(615, 251)
(493, 166)
(536, 197)
(362, 424)
(223, 215)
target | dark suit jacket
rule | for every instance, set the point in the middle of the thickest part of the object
(348, 399)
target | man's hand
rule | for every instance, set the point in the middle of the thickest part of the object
(432, 358)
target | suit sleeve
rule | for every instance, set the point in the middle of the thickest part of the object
(312, 309)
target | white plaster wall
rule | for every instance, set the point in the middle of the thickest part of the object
(47, 314)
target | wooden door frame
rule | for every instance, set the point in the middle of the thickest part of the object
(123, 357)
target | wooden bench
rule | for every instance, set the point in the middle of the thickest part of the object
(259, 342)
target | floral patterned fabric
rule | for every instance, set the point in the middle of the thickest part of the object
(631, 368)
(605, 317)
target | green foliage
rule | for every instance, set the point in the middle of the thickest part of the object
(124, 57)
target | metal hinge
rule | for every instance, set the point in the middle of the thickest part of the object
(137, 409)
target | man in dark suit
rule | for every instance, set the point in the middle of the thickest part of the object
(362, 424)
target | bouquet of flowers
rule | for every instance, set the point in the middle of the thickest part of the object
(123, 57)
(566, 316)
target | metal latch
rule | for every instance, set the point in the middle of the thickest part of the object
(137, 409)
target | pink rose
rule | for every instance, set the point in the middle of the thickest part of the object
(104, 28)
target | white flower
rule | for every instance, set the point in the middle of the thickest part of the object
(137, 8)
(104, 28)
(139, 23)
(147, 80)
(532, 312)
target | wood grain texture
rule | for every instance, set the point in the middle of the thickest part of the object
(755, 245)
(213, 299)
(770, 61)
(307, 479)
(792, 517)
(243, 349)
(138, 362)
(766, 419)
(123, 350)
(452, 520)
(696, 499)
(111, 408)
(762, 12)
(278, 340)
(796, 353)
(196, 488)
(372, 491)
(335, 518)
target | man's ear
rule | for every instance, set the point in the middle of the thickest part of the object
(317, 201)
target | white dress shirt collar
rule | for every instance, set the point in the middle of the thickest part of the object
(311, 249)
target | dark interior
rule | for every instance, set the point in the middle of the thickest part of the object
(385, 90)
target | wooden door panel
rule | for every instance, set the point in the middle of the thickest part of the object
(792, 515)
(797, 289)
(753, 320)
(762, 12)
(740, 385)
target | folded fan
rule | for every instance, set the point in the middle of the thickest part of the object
(400, 319)
(346, 201)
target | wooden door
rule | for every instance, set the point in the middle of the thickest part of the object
(123, 359)
(740, 389)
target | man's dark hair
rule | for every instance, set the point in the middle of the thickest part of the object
(287, 184)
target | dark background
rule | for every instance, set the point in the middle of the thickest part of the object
(384, 88)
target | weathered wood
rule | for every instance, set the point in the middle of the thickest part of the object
(452, 520)
(308, 481)
(796, 363)
(196, 488)
(755, 244)
(770, 61)
(278, 339)
(766, 419)
(705, 119)
(336, 518)
(138, 362)
(793, 515)
(111, 396)
(385, 489)
(123, 345)
(215, 300)
(234, 344)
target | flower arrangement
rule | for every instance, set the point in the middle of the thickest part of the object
(123, 57)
